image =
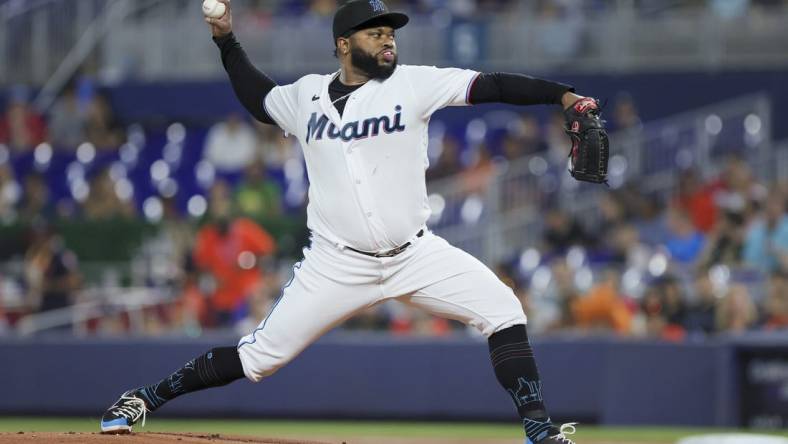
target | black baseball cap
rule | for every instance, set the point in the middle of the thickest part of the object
(355, 14)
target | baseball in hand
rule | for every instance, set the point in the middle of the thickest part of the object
(213, 8)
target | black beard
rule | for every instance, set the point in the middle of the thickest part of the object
(370, 66)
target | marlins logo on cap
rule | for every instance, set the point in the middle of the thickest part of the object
(377, 5)
(358, 14)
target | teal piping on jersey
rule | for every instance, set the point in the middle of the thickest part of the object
(278, 300)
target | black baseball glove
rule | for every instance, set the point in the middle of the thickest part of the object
(590, 146)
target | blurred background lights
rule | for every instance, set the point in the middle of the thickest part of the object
(720, 276)
(80, 190)
(197, 205)
(205, 173)
(86, 152)
(541, 279)
(117, 171)
(476, 131)
(168, 188)
(752, 124)
(172, 153)
(247, 260)
(618, 165)
(584, 279)
(43, 154)
(153, 209)
(631, 281)
(75, 171)
(128, 153)
(472, 209)
(529, 260)
(176, 133)
(713, 124)
(437, 204)
(537, 165)
(294, 169)
(124, 189)
(159, 170)
(576, 257)
(136, 135)
(658, 264)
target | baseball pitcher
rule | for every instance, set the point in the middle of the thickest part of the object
(363, 130)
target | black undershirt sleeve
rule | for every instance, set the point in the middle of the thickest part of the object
(250, 85)
(516, 89)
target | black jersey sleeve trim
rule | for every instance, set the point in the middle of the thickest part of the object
(250, 85)
(516, 89)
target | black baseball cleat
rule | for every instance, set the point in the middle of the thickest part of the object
(548, 433)
(126, 411)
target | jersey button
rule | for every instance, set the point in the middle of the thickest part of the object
(358, 182)
(369, 214)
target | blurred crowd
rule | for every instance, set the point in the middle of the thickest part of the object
(547, 8)
(709, 257)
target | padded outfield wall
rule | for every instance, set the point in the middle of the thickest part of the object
(609, 381)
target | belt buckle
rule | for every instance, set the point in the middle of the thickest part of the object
(394, 251)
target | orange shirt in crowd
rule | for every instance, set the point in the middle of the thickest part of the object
(603, 307)
(232, 260)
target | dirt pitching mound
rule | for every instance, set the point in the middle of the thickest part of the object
(139, 438)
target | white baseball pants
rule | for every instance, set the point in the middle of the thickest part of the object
(332, 283)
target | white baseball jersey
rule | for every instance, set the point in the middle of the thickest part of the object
(368, 192)
(366, 167)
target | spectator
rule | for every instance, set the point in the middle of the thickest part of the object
(736, 312)
(652, 308)
(261, 300)
(673, 306)
(275, 149)
(725, 244)
(230, 249)
(625, 113)
(9, 193)
(524, 138)
(35, 199)
(67, 120)
(21, 127)
(103, 202)
(700, 316)
(231, 145)
(776, 304)
(557, 144)
(51, 271)
(562, 231)
(766, 244)
(603, 308)
(697, 200)
(101, 127)
(626, 248)
(736, 190)
(564, 294)
(257, 196)
(684, 242)
(477, 177)
(448, 163)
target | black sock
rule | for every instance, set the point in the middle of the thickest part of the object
(218, 367)
(515, 367)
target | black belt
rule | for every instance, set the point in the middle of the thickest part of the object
(390, 253)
